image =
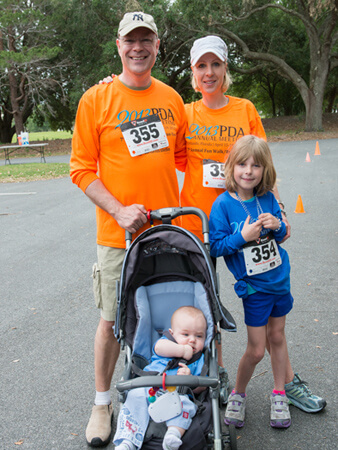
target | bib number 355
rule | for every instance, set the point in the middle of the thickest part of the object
(144, 135)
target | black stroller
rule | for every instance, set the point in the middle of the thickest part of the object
(164, 268)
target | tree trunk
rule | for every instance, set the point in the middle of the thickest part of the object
(314, 113)
(15, 104)
(331, 99)
(6, 129)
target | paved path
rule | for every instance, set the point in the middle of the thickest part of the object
(48, 319)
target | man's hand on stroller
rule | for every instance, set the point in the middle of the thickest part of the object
(131, 218)
(183, 370)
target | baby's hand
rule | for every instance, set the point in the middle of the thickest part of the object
(187, 352)
(269, 221)
(251, 231)
(183, 370)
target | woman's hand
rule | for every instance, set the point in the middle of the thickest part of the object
(107, 79)
(288, 228)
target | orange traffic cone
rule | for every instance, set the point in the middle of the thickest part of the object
(299, 206)
(307, 159)
(317, 152)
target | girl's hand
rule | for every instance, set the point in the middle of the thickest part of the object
(183, 370)
(251, 231)
(269, 221)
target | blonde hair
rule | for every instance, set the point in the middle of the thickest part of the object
(243, 149)
(225, 85)
(191, 311)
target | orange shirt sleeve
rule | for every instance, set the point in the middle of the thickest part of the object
(85, 144)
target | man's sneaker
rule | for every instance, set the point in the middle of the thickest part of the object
(280, 414)
(235, 412)
(98, 432)
(224, 385)
(300, 395)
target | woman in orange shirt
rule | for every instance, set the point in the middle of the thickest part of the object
(214, 124)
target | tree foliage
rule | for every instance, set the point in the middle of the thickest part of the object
(31, 64)
(283, 54)
(293, 38)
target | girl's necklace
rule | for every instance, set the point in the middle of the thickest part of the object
(258, 206)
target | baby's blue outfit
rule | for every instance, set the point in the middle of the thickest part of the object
(133, 418)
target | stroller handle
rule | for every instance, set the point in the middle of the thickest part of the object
(192, 381)
(166, 215)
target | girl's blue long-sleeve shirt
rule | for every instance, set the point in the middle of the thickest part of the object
(227, 218)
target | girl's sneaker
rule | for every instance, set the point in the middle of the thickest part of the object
(235, 412)
(280, 414)
(300, 396)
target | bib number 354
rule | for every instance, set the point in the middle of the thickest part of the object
(261, 256)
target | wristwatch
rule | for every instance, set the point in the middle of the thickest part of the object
(281, 204)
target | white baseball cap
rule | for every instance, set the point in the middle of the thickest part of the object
(134, 20)
(208, 44)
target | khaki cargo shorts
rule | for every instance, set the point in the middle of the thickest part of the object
(106, 272)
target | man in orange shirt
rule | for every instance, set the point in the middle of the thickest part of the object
(128, 139)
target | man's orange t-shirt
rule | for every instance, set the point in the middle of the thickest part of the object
(99, 150)
(210, 136)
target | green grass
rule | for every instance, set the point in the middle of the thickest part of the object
(14, 173)
(284, 132)
(46, 136)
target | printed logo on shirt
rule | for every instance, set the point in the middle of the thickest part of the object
(166, 115)
(203, 132)
(237, 227)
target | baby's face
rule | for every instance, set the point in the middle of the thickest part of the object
(189, 330)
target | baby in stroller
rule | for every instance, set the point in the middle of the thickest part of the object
(165, 268)
(186, 342)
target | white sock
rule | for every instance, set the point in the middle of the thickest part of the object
(125, 445)
(102, 398)
(172, 439)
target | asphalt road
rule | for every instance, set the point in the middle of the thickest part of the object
(48, 317)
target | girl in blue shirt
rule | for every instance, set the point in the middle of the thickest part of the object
(245, 225)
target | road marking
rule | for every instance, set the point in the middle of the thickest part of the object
(17, 193)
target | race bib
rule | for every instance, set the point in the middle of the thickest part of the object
(213, 174)
(262, 255)
(144, 135)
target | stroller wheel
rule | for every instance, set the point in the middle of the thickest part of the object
(229, 435)
(224, 386)
(232, 437)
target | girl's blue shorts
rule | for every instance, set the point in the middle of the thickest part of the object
(258, 307)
